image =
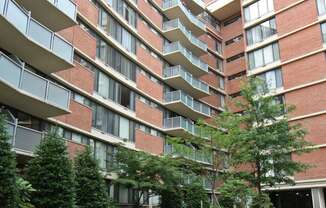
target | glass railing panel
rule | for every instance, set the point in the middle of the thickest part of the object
(17, 16)
(68, 7)
(2, 6)
(27, 139)
(10, 129)
(10, 72)
(58, 95)
(62, 48)
(34, 84)
(40, 34)
(37, 32)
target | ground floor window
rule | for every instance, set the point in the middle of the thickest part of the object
(292, 198)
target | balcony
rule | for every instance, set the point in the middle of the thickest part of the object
(222, 9)
(175, 31)
(179, 127)
(189, 153)
(174, 9)
(24, 140)
(176, 54)
(55, 14)
(31, 41)
(195, 6)
(29, 92)
(180, 102)
(179, 78)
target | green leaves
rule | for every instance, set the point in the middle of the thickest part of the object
(90, 186)
(50, 173)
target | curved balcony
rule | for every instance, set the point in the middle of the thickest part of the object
(174, 9)
(28, 39)
(180, 102)
(175, 31)
(176, 54)
(55, 14)
(29, 92)
(179, 78)
(222, 9)
(196, 6)
(179, 127)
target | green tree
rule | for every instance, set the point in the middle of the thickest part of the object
(195, 195)
(235, 193)
(8, 189)
(90, 186)
(260, 140)
(50, 173)
(151, 174)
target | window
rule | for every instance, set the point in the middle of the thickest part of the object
(235, 57)
(219, 64)
(323, 31)
(260, 32)
(263, 56)
(231, 20)
(234, 40)
(115, 30)
(272, 79)
(112, 123)
(115, 59)
(218, 46)
(221, 82)
(108, 88)
(258, 9)
(237, 75)
(321, 4)
(125, 11)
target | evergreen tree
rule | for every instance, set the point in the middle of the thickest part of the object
(8, 189)
(50, 173)
(90, 186)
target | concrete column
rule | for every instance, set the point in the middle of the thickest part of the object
(318, 200)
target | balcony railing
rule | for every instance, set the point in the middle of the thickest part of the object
(24, 139)
(176, 23)
(66, 6)
(173, 3)
(180, 96)
(17, 76)
(179, 71)
(23, 21)
(192, 154)
(177, 47)
(179, 122)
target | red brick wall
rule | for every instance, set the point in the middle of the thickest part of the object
(146, 58)
(74, 149)
(214, 100)
(304, 71)
(80, 77)
(233, 86)
(307, 100)
(148, 10)
(210, 59)
(149, 87)
(235, 66)
(80, 116)
(211, 79)
(149, 143)
(315, 127)
(81, 40)
(88, 9)
(209, 41)
(234, 48)
(296, 17)
(154, 39)
(317, 160)
(303, 42)
(149, 114)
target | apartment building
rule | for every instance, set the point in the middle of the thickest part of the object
(132, 72)
(282, 41)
